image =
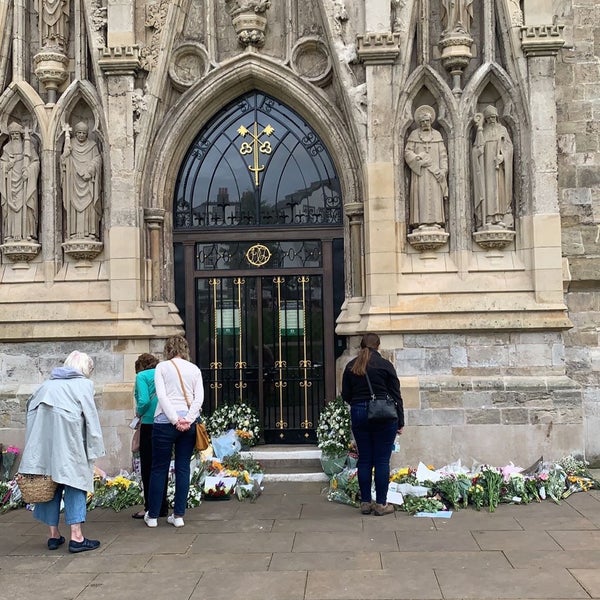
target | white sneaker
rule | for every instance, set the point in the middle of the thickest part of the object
(150, 521)
(175, 521)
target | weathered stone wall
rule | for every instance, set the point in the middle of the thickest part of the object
(578, 95)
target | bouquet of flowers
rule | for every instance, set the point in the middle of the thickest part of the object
(343, 488)
(578, 477)
(10, 496)
(241, 417)
(334, 433)
(491, 481)
(9, 455)
(454, 489)
(117, 493)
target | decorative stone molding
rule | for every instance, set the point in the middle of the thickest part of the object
(428, 238)
(249, 20)
(542, 40)
(456, 55)
(21, 252)
(82, 251)
(121, 60)
(378, 48)
(156, 16)
(154, 215)
(189, 63)
(50, 67)
(494, 237)
(312, 61)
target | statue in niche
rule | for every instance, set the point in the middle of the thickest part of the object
(426, 155)
(457, 16)
(492, 171)
(19, 169)
(81, 166)
(54, 23)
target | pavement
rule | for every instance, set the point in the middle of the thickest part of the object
(292, 544)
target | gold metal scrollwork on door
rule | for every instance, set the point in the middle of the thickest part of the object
(258, 255)
(280, 364)
(216, 365)
(240, 365)
(256, 148)
(305, 363)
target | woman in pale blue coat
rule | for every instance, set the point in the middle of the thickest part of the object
(63, 438)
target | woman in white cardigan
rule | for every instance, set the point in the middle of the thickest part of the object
(180, 393)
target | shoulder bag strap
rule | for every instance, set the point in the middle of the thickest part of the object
(370, 386)
(181, 382)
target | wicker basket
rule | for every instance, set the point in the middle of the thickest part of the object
(36, 488)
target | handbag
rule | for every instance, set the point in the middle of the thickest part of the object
(382, 407)
(36, 488)
(202, 437)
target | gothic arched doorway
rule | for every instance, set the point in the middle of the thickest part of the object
(259, 267)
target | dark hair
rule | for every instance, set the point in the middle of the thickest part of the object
(145, 361)
(176, 346)
(370, 341)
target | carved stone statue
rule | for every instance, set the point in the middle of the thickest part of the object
(54, 23)
(81, 184)
(19, 169)
(457, 16)
(425, 154)
(492, 170)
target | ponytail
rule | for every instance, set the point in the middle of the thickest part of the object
(370, 341)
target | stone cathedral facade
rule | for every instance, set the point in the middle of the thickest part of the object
(276, 177)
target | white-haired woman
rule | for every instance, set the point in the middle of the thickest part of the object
(63, 438)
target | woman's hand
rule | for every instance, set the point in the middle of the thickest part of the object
(400, 431)
(182, 425)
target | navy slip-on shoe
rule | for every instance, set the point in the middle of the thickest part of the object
(83, 546)
(54, 543)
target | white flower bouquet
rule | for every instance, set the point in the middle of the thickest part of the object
(241, 417)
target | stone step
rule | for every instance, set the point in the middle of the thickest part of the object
(289, 463)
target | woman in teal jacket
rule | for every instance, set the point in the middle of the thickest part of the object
(145, 406)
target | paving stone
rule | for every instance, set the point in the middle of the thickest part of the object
(584, 559)
(325, 561)
(209, 561)
(92, 562)
(577, 540)
(243, 542)
(310, 524)
(279, 585)
(37, 586)
(161, 540)
(514, 540)
(508, 583)
(589, 579)
(407, 561)
(344, 541)
(140, 586)
(420, 584)
(570, 523)
(432, 541)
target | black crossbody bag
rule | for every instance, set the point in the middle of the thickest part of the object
(382, 407)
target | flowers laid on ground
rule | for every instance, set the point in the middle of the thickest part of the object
(10, 496)
(452, 487)
(9, 456)
(240, 417)
(333, 431)
(117, 492)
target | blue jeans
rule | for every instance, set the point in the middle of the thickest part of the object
(375, 442)
(165, 437)
(75, 507)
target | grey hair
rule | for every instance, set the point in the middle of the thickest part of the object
(81, 362)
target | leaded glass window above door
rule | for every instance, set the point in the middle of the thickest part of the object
(257, 163)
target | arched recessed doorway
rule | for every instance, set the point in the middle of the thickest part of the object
(259, 263)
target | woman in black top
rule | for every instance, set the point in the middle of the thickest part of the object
(374, 440)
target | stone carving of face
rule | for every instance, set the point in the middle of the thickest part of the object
(15, 136)
(425, 122)
(81, 135)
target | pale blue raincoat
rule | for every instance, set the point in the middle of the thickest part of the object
(63, 435)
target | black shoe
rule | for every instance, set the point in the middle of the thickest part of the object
(54, 543)
(138, 515)
(83, 546)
